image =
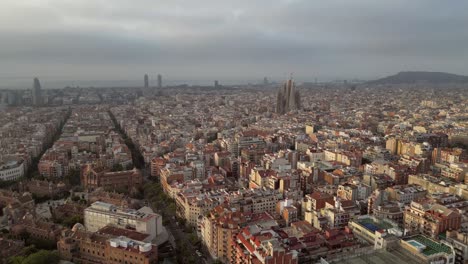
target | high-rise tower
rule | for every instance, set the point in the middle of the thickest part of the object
(36, 93)
(159, 81)
(288, 98)
(146, 80)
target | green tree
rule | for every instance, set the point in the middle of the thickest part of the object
(73, 177)
(41, 243)
(16, 260)
(42, 257)
(6, 184)
(28, 250)
(36, 257)
(72, 220)
(193, 239)
(117, 167)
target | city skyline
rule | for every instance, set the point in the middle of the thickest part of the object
(326, 41)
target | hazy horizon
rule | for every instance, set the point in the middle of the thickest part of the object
(66, 42)
(56, 83)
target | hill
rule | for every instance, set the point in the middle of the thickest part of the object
(421, 76)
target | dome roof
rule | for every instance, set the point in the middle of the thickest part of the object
(78, 226)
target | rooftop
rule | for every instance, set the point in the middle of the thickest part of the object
(373, 226)
(143, 214)
(379, 257)
(431, 246)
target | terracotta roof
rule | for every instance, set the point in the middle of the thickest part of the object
(114, 231)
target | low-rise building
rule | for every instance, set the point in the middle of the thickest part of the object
(382, 233)
(44, 188)
(427, 250)
(93, 178)
(37, 229)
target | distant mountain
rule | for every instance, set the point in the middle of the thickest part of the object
(421, 76)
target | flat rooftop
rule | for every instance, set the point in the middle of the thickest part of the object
(372, 225)
(379, 257)
(431, 246)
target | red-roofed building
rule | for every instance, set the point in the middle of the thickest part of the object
(254, 245)
(93, 178)
(156, 165)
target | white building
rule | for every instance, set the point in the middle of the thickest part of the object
(11, 170)
(100, 214)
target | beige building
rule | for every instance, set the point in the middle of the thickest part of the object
(379, 232)
(100, 214)
(437, 185)
(459, 241)
(191, 206)
(217, 230)
(430, 219)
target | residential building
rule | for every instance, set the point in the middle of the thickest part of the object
(459, 242)
(430, 219)
(256, 245)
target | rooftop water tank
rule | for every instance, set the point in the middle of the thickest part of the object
(114, 243)
(123, 243)
(145, 247)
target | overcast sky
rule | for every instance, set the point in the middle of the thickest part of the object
(229, 40)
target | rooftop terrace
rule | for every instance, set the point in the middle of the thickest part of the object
(431, 246)
(373, 226)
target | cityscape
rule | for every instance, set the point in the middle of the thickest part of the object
(255, 170)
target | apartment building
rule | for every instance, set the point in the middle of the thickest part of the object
(405, 193)
(430, 219)
(254, 245)
(218, 228)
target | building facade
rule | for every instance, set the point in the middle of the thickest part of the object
(100, 214)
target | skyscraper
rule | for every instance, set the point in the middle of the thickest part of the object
(265, 81)
(159, 81)
(216, 84)
(36, 93)
(288, 98)
(146, 79)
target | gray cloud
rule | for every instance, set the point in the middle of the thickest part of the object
(232, 40)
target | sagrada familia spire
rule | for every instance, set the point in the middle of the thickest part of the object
(288, 98)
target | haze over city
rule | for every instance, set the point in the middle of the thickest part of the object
(233, 132)
(111, 42)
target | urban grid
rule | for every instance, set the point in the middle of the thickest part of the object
(290, 170)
